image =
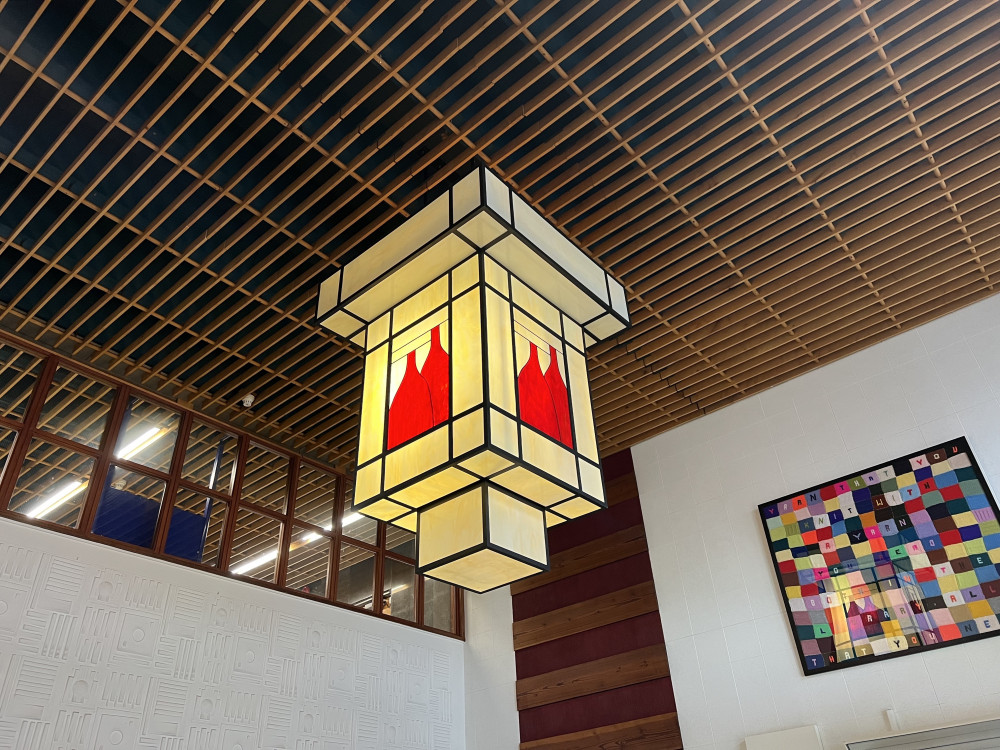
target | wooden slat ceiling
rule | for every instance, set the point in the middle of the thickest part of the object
(777, 183)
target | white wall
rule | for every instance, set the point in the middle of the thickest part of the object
(490, 672)
(104, 649)
(734, 667)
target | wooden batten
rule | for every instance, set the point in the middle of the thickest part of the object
(591, 677)
(768, 214)
(654, 733)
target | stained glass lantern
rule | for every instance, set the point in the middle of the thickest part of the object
(477, 430)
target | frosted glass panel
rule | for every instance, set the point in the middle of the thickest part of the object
(467, 352)
(501, 352)
(373, 404)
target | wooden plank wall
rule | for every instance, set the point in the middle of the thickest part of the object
(592, 668)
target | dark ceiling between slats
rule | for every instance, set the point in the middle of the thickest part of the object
(776, 183)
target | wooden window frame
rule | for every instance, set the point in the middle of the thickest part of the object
(27, 429)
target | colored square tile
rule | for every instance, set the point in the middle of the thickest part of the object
(959, 461)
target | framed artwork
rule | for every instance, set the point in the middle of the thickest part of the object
(901, 557)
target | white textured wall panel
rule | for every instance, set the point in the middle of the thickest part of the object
(103, 649)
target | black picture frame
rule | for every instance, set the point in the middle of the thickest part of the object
(769, 509)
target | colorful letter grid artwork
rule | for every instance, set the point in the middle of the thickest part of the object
(897, 558)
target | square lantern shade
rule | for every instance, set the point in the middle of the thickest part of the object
(476, 415)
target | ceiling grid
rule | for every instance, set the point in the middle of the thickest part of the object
(777, 184)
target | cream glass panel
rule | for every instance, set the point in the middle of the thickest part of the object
(329, 295)
(534, 331)
(483, 570)
(373, 404)
(618, 301)
(482, 229)
(466, 196)
(551, 519)
(368, 482)
(416, 457)
(485, 464)
(503, 433)
(466, 352)
(500, 352)
(418, 230)
(378, 331)
(590, 480)
(530, 485)
(566, 255)
(467, 433)
(410, 277)
(384, 510)
(408, 522)
(575, 508)
(534, 305)
(420, 334)
(496, 276)
(451, 527)
(525, 263)
(572, 332)
(420, 304)
(360, 339)
(549, 456)
(583, 417)
(498, 196)
(438, 485)
(517, 526)
(605, 327)
(342, 324)
(465, 275)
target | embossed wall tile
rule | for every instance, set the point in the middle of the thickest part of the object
(105, 650)
(116, 730)
(28, 688)
(18, 564)
(61, 584)
(186, 613)
(13, 601)
(136, 638)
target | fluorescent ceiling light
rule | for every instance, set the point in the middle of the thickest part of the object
(255, 562)
(75, 487)
(146, 439)
(266, 557)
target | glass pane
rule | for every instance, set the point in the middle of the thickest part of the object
(210, 457)
(77, 407)
(148, 434)
(400, 541)
(315, 496)
(255, 546)
(265, 479)
(129, 507)
(308, 562)
(355, 525)
(18, 372)
(6, 444)
(437, 604)
(399, 590)
(190, 537)
(52, 484)
(356, 576)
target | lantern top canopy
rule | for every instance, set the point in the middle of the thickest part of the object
(478, 214)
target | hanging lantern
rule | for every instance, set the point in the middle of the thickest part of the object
(477, 430)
